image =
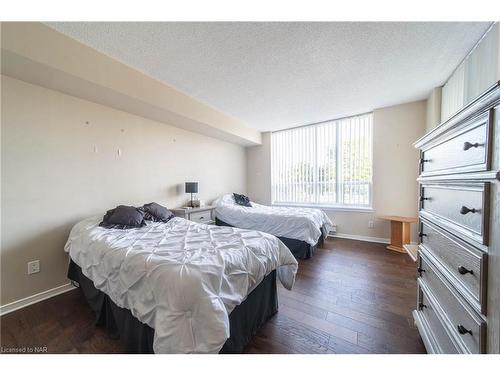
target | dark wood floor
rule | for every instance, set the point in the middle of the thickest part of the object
(351, 297)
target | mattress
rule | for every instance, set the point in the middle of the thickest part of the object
(181, 278)
(245, 320)
(303, 224)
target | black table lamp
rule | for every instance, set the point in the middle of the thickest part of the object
(191, 187)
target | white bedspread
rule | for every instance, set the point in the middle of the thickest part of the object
(181, 278)
(292, 222)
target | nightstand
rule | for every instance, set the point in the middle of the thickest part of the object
(203, 215)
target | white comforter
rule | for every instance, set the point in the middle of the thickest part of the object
(292, 222)
(181, 278)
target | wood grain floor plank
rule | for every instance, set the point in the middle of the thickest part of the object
(296, 336)
(330, 328)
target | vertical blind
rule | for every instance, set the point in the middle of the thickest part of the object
(324, 164)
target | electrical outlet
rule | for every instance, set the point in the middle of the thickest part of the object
(370, 224)
(33, 267)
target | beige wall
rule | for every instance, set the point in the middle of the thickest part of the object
(36, 53)
(259, 170)
(395, 169)
(60, 164)
(395, 162)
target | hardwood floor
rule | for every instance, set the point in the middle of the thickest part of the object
(351, 297)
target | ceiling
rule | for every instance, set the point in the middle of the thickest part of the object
(279, 75)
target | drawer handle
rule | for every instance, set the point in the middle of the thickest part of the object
(462, 330)
(462, 271)
(422, 306)
(422, 234)
(420, 270)
(468, 145)
(465, 210)
(422, 161)
(424, 199)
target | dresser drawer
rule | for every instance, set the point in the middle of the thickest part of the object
(201, 217)
(465, 150)
(467, 327)
(436, 337)
(463, 209)
(464, 264)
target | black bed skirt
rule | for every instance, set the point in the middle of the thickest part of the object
(245, 320)
(300, 249)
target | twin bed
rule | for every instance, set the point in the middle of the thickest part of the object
(180, 286)
(302, 230)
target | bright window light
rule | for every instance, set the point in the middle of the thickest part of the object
(325, 164)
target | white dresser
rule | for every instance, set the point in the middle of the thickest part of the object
(458, 302)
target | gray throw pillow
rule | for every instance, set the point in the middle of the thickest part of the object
(123, 217)
(242, 200)
(156, 212)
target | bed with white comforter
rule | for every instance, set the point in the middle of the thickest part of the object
(303, 224)
(181, 278)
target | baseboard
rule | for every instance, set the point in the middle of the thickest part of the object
(19, 304)
(361, 238)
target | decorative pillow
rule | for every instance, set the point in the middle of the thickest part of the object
(156, 212)
(242, 200)
(123, 217)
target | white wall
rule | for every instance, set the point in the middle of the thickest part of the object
(395, 169)
(60, 164)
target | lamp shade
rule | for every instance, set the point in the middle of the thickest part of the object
(191, 187)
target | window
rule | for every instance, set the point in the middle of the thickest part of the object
(325, 164)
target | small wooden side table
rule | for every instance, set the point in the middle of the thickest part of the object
(400, 232)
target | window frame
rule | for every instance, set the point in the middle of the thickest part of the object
(338, 186)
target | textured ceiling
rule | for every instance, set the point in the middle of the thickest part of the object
(278, 75)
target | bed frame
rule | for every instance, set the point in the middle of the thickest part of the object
(300, 249)
(245, 320)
